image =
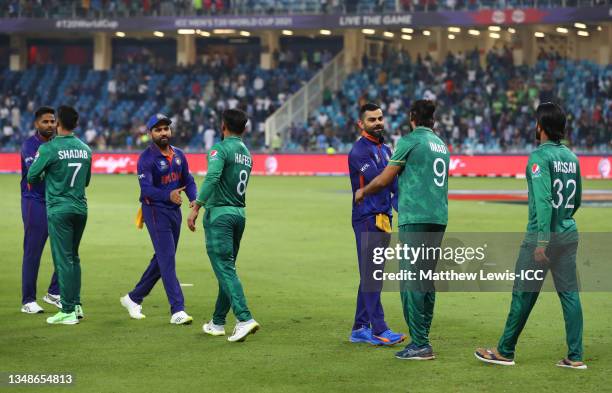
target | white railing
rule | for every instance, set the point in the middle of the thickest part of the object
(299, 106)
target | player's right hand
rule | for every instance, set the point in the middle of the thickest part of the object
(191, 220)
(539, 254)
(359, 196)
(175, 196)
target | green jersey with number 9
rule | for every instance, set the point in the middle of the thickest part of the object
(229, 169)
(423, 180)
(555, 190)
(65, 165)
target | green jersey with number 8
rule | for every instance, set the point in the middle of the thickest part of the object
(229, 169)
(555, 190)
(423, 181)
(65, 165)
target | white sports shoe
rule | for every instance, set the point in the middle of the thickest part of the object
(214, 330)
(243, 329)
(32, 308)
(54, 300)
(180, 318)
(133, 308)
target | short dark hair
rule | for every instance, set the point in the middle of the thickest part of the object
(551, 119)
(235, 120)
(422, 113)
(68, 117)
(369, 107)
(43, 110)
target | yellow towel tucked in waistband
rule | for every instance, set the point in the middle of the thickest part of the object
(383, 223)
(139, 219)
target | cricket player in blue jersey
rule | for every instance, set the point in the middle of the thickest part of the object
(367, 159)
(163, 173)
(34, 214)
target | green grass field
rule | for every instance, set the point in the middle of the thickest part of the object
(298, 265)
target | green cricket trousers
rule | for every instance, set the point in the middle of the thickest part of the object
(525, 294)
(65, 233)
(419, 296)
(223, 235)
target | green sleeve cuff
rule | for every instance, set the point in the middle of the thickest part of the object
(397, 163)
(543, 238)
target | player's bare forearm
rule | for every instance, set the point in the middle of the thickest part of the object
(381, 181)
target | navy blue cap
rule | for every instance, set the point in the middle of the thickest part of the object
(156, 119)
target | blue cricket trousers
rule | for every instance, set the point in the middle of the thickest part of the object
(369, 312)
(34, 215)
(164, 226)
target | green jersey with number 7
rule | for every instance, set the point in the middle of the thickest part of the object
(555, 190)
(229, 169)
(423, 181)
(65, 165)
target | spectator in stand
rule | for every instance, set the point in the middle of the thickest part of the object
(116, 100)
(481, 109)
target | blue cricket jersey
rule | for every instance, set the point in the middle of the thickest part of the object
(367, 159)
(28, 153)
(159, 175)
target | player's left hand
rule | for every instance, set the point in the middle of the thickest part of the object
(192, 204)
(540, 255)
(359, 196)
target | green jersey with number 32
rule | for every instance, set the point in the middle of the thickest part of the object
(555, 190)
(65, 165)
(423, 181)
(229, 169)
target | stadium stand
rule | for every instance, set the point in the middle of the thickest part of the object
(480, 109)
(114, 104)
(127, 8)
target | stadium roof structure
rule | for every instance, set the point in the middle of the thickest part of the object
(329, 21)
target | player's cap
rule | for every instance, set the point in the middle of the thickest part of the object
(156, 119)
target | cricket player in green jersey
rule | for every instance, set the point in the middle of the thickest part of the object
(64, 163)
(555, 192)
(421, 160)
(223, 196)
